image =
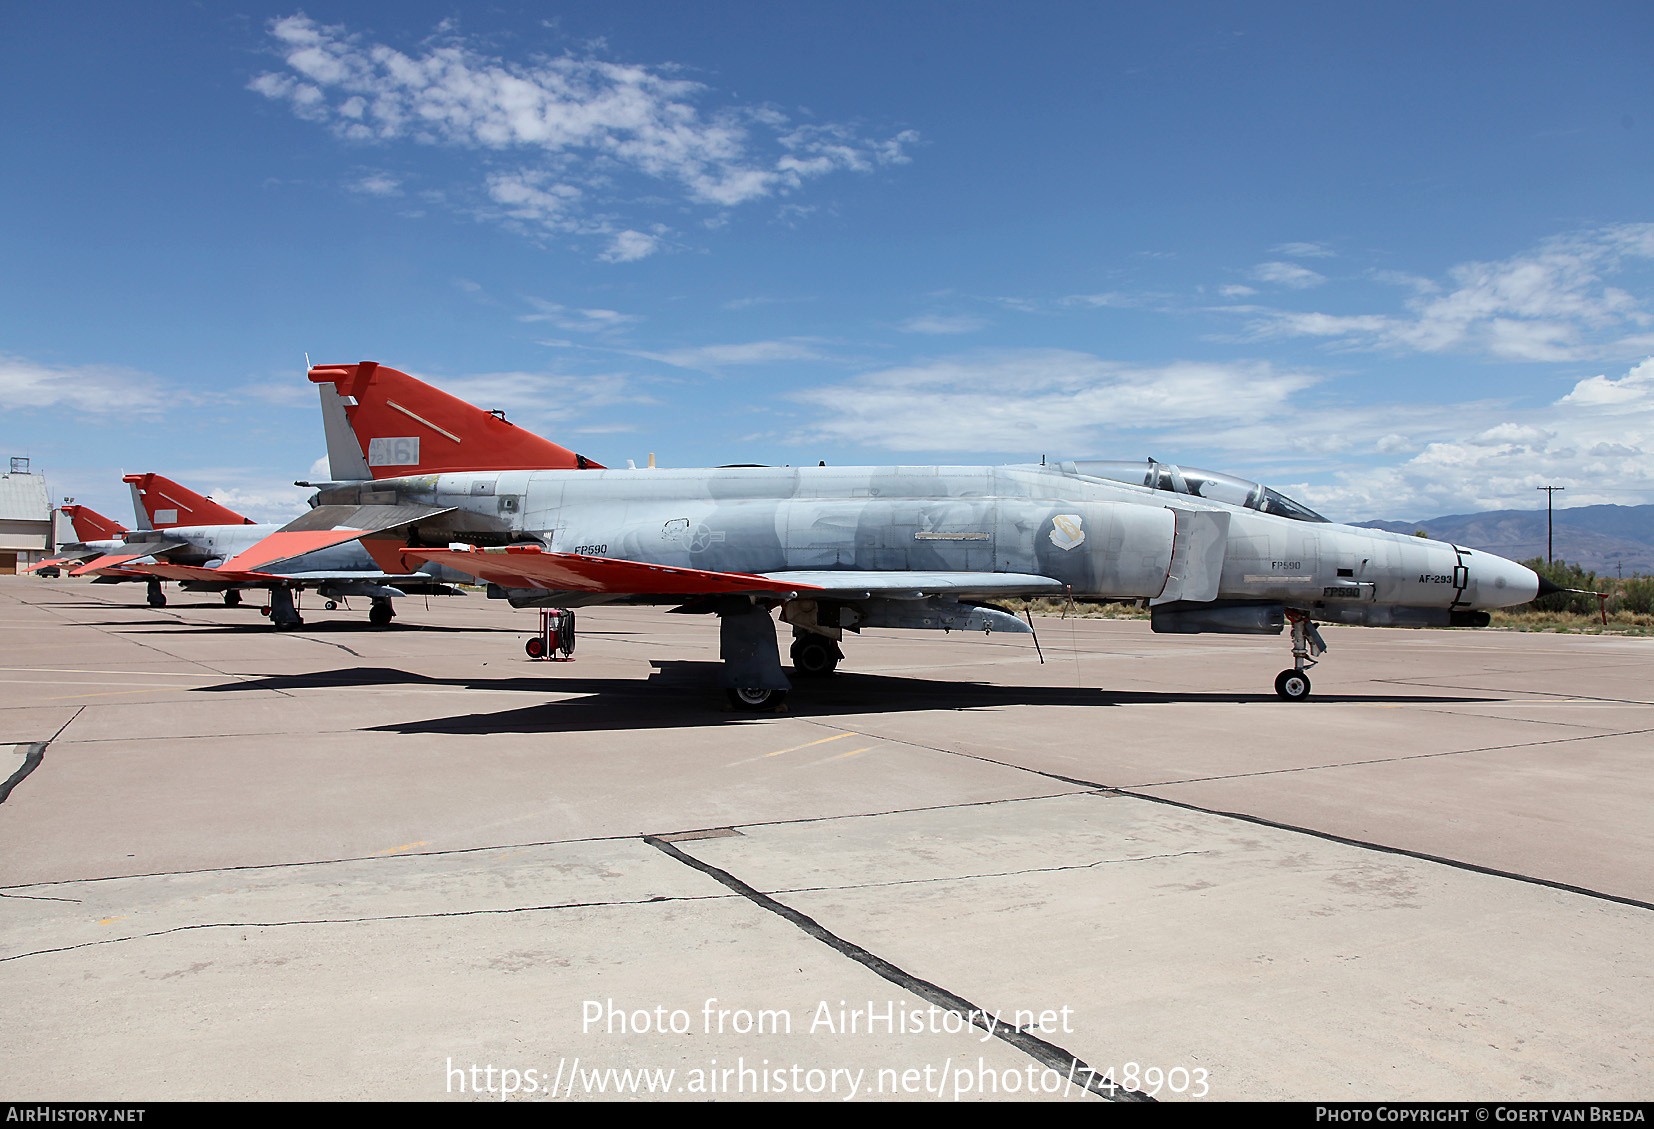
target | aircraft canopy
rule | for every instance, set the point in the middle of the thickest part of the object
(1209, 484)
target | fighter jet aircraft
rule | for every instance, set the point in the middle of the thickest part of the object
(95, 536)
(186, 537)
(848, 548)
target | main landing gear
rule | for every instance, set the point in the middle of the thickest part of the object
(751, 674)
(283, 615)
(157, 598)
(1293, 685)
(814, 656)
(232, 598)
(381, 614)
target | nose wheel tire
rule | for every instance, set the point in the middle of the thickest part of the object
(753, 700)
(1293, 685)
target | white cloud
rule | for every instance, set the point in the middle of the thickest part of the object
(377, 184)
(529, 397)
(264, 503)
(580, 321)
(576, 122)
(1634, 389)
(1287, 274)
(942, 324)
(286, 392)
(100, 389)
(1552, 304)
(1041, 400)
(1303, 250)
(1112, 298)
(1595, 441)
(710, 358)
(630, 246)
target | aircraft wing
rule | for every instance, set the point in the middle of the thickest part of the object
(528, 566)
(918, 585)
(200, 572)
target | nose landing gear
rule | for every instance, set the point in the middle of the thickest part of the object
(1293, 685)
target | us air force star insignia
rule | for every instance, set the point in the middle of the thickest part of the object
(1066, 532)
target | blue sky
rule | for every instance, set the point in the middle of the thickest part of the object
(1396, 260)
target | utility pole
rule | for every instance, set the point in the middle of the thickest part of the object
(1550, 493)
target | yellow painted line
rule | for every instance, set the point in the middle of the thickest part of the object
(808, 744)
(794, 749)
(841, 756)
(76, 670)
(72, 682)
(107, 694)
(403, 847)
(1500, 703)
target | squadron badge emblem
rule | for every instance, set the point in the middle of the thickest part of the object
(1066, 532)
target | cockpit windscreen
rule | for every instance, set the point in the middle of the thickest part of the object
(1197, 483)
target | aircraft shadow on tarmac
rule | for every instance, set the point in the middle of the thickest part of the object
(314, 627)
(260, 625)
(684, 693)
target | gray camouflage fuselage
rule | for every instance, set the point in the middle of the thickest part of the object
(1099, 538)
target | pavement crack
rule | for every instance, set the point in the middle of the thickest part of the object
(386, 858)
(1047, 1054)
(1394, 760)
(985, 874)
(1106, 791)
(1385, 848)
(657, 899)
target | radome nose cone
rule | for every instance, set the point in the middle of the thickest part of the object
(1505, 584)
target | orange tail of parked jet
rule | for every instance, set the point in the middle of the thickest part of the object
(90, 525)
(167, 504)
(404, 426)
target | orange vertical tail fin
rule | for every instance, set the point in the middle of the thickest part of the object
(405, 427)
(90, 525)
(168, 504)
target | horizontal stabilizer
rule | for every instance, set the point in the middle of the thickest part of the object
(55, 562)
(326, 526)
(283, 545)
(365, 518)
(520, 566)
(96, 565)
(917, 585)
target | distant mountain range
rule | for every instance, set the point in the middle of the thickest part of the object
(1609, 540)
